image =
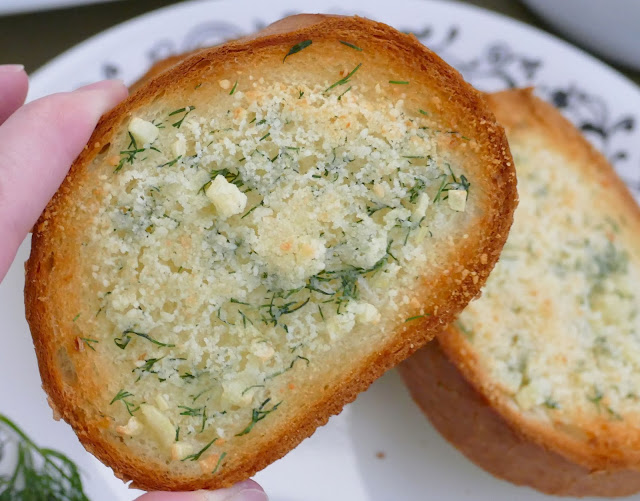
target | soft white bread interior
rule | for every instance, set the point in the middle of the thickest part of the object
(256, 235)
(542, 382)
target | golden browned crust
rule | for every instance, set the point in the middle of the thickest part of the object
(594, 456)
(158, 68)
(470, 423)
(290, 23)
(458, 279)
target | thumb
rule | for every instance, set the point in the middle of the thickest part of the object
(38, 143)
(244, 491)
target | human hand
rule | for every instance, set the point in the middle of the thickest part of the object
(244, 491)
(38, 143)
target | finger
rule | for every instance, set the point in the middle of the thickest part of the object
(244, 491)
(38, 143)
(14, 85)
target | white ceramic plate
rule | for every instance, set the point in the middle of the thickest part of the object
(380, 448)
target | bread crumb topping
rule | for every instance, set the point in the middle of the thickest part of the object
(243, 246)
(556, 326)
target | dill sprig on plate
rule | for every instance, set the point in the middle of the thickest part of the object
(39, 473)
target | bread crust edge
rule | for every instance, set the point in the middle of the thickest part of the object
(563, 465)
(456, 289)
(469, 422)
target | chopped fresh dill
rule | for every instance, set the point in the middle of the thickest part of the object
(549, 403)
(186, 112)
(441, 188)
(265, 136)
(76, 317)
(181, 110)
(351, 45)
(340, 96)
(127, 156)
(219, 463)
(231, 177)
(276, 311)
(147, 366)
(596, 398)
(171, 163)
(233, 89)
(189, 411)
(245, 319)
(287, 369)
(422, 112)
(250, 387)
(399, 82)
(37, 473)
(257, 415)
(297, 48)
(89, 341)
(122, 341)
(198, 395)
(416, 190)
(614, 414)
(344, 80)
(416, 317)
(453, 132)
(122, 396)
(372, 209)
(468, 333)
(455, 184)
(301, 93)
(196, 456)
(204, 420)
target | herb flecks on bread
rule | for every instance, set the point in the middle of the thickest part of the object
(232, 268)
(548, 358)
(564, 269)
(260, 232)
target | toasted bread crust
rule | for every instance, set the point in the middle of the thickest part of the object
(470, 423)
(593, 457)
(448, 293)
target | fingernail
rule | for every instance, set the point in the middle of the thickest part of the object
(250, 495)
(244, 491)
(104, 95)
(103, 84)
(11, 68)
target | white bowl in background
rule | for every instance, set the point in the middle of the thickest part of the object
(608, 27)
(22, 6)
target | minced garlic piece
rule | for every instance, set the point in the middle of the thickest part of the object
(226, 197)
(142, 131)
(159, 424)
(457, 199)
(132, 428)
